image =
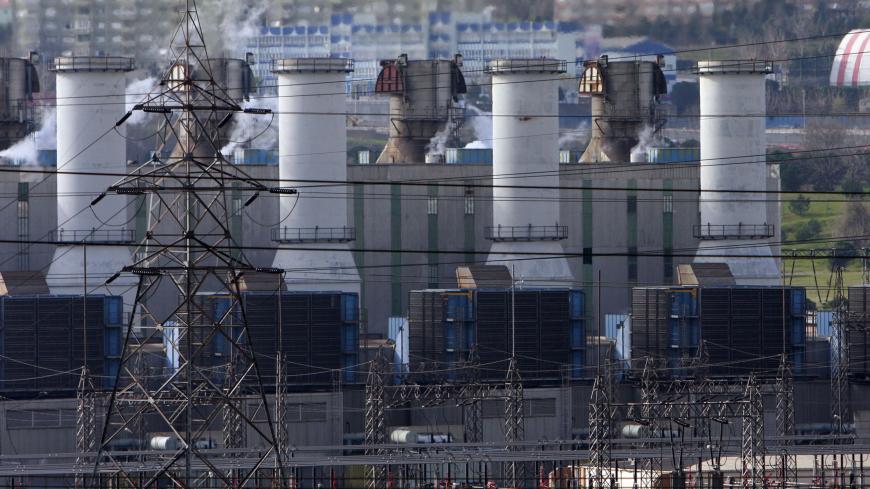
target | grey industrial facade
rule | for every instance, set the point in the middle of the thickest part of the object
(415, 223)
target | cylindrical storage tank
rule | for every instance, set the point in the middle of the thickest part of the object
(90, 91)
(525, 107)
(312, 142)
(733, 157)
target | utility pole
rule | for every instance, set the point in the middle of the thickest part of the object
(188, 255)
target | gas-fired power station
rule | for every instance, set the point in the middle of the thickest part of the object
(423, 102)
(624, 107)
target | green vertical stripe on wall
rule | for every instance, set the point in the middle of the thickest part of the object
(433, 238)
(588, 270)
(668, 232)
(360, 241)
(396, 308)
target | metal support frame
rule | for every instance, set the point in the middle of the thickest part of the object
(85, 424)
(514, 421)
(600, 420)
(375, 422)
(840, 356)
(785, 423)
(188, 253)
(752, 453)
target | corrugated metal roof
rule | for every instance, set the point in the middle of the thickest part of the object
(851, 67)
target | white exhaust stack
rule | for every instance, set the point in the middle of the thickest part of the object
(90, 94)
(312, 145)
(733, 148)
(525, 221)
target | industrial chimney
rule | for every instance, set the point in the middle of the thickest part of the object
(233, 80)
(90, 91)
(733, 148)
(525, 221)
(624, 98)
(423, 100)
(312, 145)
(20, 82)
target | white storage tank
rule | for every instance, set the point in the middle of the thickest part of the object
(312, 141)
(525, 106)
(91, 91)
(733, 158)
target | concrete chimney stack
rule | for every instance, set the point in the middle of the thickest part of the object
(313, 146)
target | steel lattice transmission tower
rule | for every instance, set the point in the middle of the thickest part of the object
(375, 422)
(187, 255)
(785, 424)
(514, 420)
(752, 452)
(86, 407)
(600, 420)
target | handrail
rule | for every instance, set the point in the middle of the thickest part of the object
(733, 231)
(526, 233)
(316, 234)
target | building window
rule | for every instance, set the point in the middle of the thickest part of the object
(469, 202)
(668, 204)
(433, 206)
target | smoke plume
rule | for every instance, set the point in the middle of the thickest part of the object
(137, 92)
(645, 137)
(260, 131)
(481, 123)
(26, 151)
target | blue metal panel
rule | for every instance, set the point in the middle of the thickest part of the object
(824, 323)
(576, 300)
(114, 310)
(350, 307)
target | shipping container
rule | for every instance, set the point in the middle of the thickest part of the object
(46, 339)
(549, 327)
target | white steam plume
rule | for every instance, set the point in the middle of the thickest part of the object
(26, 151)
(258, 130)
(481, 122)
(645, 137)
(575, 138)
(137, 92)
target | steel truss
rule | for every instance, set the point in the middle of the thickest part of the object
(188, 254)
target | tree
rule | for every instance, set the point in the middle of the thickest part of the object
(800, 205)
(809, 230)
(854, 225)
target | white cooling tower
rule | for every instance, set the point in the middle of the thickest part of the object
(733, 148)
(525, 221)
(90, 102)
(314, 232)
